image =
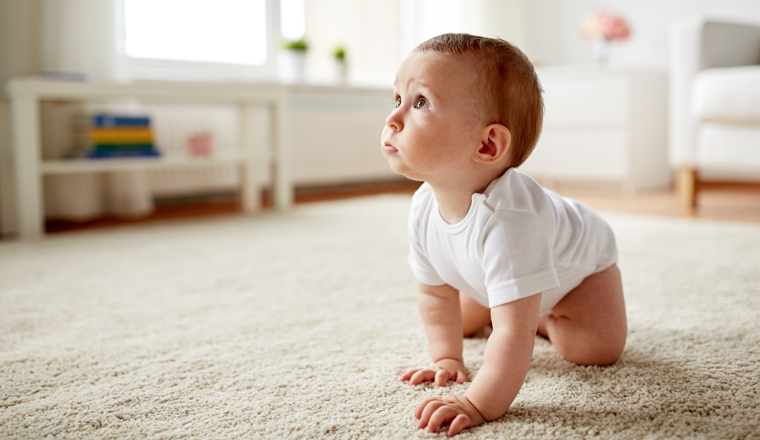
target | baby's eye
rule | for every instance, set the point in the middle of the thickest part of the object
(396, 102)
(421, 104)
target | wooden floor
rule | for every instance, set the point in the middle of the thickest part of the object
(229, 205)
(724, 201)
(716, 201)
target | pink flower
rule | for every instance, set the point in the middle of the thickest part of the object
(605, 26)
(201, 144)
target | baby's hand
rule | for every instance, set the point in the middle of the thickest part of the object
(441, 372)
(457, 411)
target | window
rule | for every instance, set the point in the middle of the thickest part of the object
(208, 39)
(293, 21)
(222, 31)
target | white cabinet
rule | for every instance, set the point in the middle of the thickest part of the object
(603, 126)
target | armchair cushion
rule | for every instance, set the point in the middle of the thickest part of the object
(729, 94)
(733, 147)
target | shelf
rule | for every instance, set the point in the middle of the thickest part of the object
(71, 166)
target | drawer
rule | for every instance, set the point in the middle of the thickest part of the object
(586, 101)
(582, 155)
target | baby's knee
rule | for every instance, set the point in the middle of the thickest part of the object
(601, 354)
(475, 317)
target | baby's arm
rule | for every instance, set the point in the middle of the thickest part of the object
(507, 357)
(442, 316)
(505, 365)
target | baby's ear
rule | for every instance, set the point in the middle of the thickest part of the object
(494, 144)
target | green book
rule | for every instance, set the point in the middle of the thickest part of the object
(109, 148)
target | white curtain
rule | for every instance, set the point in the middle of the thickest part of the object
(87, 36)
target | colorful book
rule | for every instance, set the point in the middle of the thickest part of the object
(108, 136)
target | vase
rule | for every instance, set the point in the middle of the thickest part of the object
(602, 52)
(341, 71)
(292, 66)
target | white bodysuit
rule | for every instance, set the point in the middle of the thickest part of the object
(518, 239)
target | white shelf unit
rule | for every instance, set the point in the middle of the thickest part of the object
(603, 126)
(27, 93)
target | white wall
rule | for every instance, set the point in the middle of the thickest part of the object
(379, 33)
(20, 54)
(424, 19)
(547, 30)
(369, 29)
(554, 37)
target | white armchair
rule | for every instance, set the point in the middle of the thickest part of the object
(714, 103)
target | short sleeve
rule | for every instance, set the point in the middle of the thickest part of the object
(418, 261)
(517, 256)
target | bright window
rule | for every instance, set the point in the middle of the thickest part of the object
(216, 31)
(293, 19)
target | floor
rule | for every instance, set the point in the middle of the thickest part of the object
(717, 201)
(227, 204)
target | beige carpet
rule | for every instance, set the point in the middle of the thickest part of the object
(295, 326)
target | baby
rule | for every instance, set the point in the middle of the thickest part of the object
(488, 244)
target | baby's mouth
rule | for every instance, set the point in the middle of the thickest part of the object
(388, 148)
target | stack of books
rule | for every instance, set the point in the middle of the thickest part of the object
(114, 136)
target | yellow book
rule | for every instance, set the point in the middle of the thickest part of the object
(121, 135)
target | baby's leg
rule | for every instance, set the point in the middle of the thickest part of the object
(588, 326)
(474, 316)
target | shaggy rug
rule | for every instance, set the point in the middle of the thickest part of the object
(295, 325)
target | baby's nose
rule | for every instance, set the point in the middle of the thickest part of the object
(394, 121)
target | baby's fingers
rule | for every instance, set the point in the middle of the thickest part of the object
(430, 408)
(421, 407)
(441, 377)
(407, 374)
(460, 377)
(440, 416)
(422, 376)
(458, 424)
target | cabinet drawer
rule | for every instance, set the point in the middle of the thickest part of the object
(580, 155)
(580, 101)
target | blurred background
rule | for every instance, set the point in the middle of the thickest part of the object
(606, 66)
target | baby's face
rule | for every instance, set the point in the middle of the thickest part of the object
(434, 127)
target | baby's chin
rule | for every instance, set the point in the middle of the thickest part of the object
(397, 167)
(403, 171)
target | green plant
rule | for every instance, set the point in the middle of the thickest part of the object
(339, 53)
(297, 45)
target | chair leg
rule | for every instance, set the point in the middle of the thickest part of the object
(686, 186)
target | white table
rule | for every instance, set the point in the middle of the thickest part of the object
(604, 125)
(27, 93)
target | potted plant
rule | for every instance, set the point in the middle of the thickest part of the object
(341, 65)
(296, 45)
(293, 64)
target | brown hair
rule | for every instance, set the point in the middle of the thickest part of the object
(509, 83)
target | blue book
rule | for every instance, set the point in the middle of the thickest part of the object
(121, 154)
(106, 120)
